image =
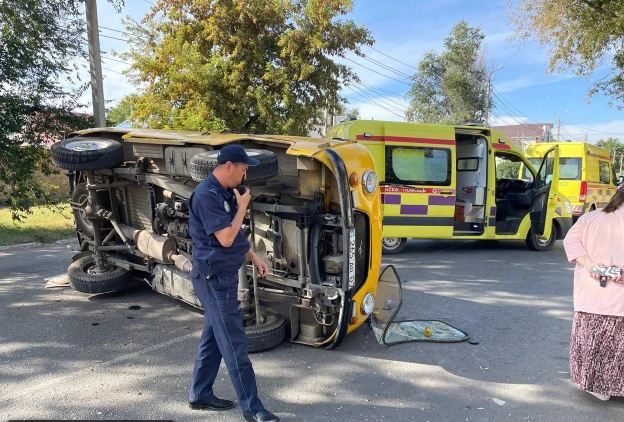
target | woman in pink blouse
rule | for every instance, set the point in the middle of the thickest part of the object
(597, 344)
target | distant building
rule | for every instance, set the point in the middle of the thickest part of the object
(522, 134)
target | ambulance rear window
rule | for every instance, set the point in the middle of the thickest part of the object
(418, 165)
(569, 167)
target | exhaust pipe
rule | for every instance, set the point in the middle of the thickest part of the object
(160, 248)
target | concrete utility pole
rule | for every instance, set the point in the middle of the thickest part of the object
(559, 124)
(95, 60)
(488, 93)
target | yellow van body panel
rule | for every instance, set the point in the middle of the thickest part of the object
(357, 161)
(589, 159)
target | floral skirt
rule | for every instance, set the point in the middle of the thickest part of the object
(597, 353)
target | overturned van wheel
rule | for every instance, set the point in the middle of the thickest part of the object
(537, 244)
(393, 245)
(204, 163)
(85, 153)
(267, 335)
(84, 278)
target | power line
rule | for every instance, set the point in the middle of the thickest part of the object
(116, 30)
(389, 100)
(379, 73)
(399, 108)
(106, 68)
(107, 57)
(113, 38)
(517, 111)
(390, 57)
(377, 101)
(371, 101)
(129, 34)
(509, 109)
(385, 66)
(383, 91)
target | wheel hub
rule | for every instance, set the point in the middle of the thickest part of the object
(391, 242)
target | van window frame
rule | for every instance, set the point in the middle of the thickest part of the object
(392, 178)
(579, 168)
(466, 159)
(608, 173)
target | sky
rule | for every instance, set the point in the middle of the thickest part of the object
(403, 30)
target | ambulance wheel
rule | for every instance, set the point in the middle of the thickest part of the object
(537, 244)
(393, 245)
(84, 278)
(204, 163)
(271, 333)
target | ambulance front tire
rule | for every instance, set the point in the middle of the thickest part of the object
(537, 244)
(393, 245)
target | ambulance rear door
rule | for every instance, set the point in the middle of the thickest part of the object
(418, 191)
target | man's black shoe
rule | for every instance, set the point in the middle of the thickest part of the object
(213, 403)
(262, 416)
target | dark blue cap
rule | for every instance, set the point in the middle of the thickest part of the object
(236, 154)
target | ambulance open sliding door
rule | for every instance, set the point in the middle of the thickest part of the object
(418, 194)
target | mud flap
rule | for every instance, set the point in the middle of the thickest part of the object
(387, 301)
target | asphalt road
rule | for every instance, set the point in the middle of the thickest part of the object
(65, 355)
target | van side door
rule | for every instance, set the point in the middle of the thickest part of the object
(546, 186)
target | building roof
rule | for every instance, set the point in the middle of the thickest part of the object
(528, 131)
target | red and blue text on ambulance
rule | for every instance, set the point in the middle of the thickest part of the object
(460, 182)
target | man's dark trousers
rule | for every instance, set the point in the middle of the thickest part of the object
(223, 336)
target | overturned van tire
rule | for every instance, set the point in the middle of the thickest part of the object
(204, 163)
(393, 245)
(537, 244)
(83, 279)
(268, 335)
(86, 154)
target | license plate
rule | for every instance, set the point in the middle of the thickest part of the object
(351, 258)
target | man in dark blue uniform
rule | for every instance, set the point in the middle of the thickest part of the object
(217, 210)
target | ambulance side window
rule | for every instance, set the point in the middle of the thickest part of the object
(605, 176)
(418, 165)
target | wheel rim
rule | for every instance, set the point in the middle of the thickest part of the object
(391, 242)
(81, 210)
(91, 268)
(543, 242)
(93, 145)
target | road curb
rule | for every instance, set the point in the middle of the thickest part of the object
(30, 245)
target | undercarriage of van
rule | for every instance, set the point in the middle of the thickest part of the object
(132, 219)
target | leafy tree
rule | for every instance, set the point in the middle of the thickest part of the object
(121, 112)
(239, 65)
(616, 150)
(39, 86)
(581, 34)
(451, 87)
(350, 113)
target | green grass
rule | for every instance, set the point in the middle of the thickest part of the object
(43, 225)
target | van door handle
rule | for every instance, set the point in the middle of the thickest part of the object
(446, 192)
